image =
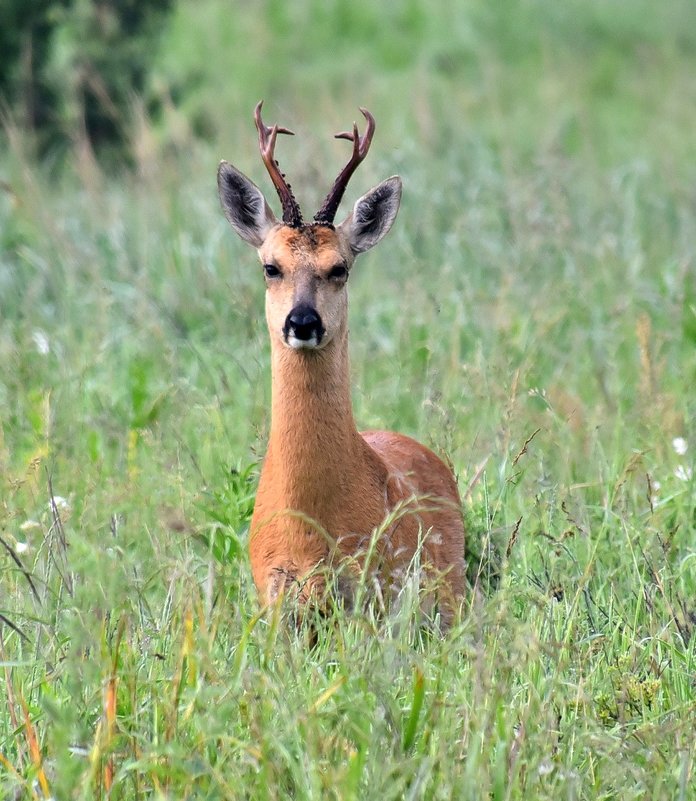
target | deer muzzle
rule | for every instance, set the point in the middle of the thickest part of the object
(303, 327)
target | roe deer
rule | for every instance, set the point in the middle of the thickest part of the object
(325, 488)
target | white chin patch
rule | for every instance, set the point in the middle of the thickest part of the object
(299, 344)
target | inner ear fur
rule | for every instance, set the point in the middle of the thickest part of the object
(244, 205)
(373, 215)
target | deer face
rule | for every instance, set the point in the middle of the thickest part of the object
(306, 270)
(306, 265)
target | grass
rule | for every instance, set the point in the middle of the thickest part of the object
(532, 312)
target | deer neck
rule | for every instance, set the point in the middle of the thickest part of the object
(313, 438)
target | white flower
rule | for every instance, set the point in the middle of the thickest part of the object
(545, 767)
(21, 547)
(680, 445)
(683, 473)
(60, 503)
(59, 507)
(28, 525)
(41, 342)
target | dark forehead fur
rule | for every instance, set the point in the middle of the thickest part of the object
(312, 235)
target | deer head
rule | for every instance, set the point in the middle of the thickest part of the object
(306, 265)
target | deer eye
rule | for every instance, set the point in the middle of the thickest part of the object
(338, 272)
(271, 271)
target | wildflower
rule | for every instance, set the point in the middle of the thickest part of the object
(21, 547)
(59, 507)
(41, 342)
(60, 503)
(680, 445)
(683, 473)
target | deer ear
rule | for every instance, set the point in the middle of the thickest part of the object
(373, 215)
(244, 205)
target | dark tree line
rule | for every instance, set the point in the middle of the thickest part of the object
(72, 67)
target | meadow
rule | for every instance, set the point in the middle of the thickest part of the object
(532, 315)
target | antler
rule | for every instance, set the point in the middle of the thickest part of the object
(361, 144)
(267, 138)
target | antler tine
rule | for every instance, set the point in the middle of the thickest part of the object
(267, 140)
(361, 145)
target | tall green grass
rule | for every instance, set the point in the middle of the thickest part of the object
(532, 315)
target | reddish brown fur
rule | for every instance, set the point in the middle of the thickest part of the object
(325, 487)
(328, 495)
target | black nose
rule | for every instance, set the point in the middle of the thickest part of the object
(303, 323)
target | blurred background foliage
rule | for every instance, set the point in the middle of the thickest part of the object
(71, 69)
(83, 73)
